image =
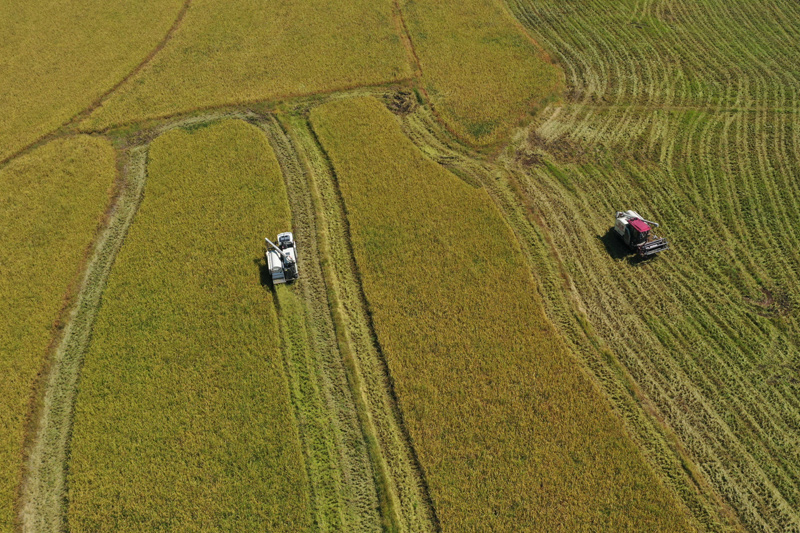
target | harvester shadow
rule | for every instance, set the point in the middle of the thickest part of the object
(617, 249)
(264, 276)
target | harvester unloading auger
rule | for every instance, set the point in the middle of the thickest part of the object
(282, 259)
(635, 232)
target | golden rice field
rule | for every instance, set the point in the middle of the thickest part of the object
(469, 347)
(238, 51)
(183, 416)
(58, 56)
(510, 433)
(51, 203)
(483, 75)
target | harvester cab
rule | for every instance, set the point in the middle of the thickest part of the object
(282, 258)
(636, 233)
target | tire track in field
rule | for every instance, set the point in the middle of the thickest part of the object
(406, 502)
(43, 492)
(353, 490)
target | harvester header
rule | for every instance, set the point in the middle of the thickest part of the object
(635, 232)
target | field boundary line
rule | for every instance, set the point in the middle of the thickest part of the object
(82, 114)
(43, 491)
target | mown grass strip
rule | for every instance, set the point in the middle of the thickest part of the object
(183, 417)
(482, 73)
(509, 431)
(247, 50)
(60, 56)
(51, 201)
(44, 486)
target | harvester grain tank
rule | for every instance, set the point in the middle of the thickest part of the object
(282, 258)
(635, 232)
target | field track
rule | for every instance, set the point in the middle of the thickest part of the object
(407, 503)
(44, 484)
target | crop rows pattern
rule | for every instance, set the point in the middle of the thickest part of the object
(495, 406)
(688, 113)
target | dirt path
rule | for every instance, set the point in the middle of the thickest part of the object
(44, 486)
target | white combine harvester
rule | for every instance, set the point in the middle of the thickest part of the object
(282, 259)
(635, 232)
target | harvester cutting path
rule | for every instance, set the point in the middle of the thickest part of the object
(282, 258)
(636, 233)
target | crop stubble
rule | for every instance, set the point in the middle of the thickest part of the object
(688, 113)
(475, 364)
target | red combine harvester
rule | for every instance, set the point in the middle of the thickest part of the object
(635, 232)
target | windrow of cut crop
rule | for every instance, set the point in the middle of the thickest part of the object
(709, 330)
(51, 203)
(183, 416)
(510, 433)
(241, 51)
(676, 53)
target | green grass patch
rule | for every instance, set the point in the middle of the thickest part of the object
(183, 418)
(51, 201)
(510, 433)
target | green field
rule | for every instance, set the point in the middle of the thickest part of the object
(183, 417)
(503, 420)
(51, 203)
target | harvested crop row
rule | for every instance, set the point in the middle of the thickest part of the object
(481, 72)
(405, 502)
(709, 53)
(340, 467)
(228, 53)
(510, 433)
(59, 56)
(51, 201)
(183, 418)
(710, 330)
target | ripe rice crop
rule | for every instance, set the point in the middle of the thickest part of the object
(51, 201)
(183, 418)
(510, 433)
(59, 56)
(237, 51)
(481, 72)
